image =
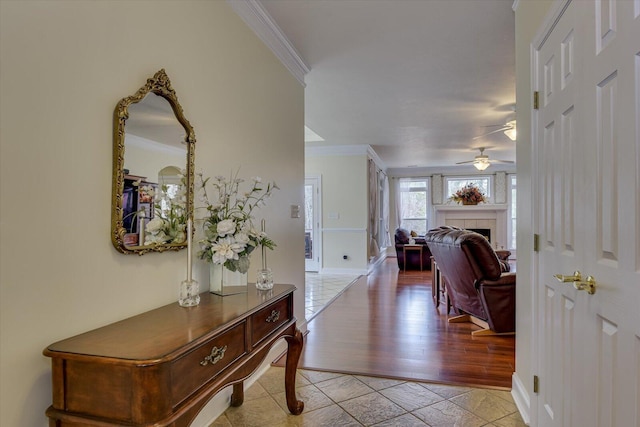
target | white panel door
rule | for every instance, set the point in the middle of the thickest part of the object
(312, 243)
(586, 146)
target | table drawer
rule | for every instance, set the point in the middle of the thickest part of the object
(270, 318)
(190, 372)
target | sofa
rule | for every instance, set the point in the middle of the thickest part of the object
(480, 290)
(401, 238)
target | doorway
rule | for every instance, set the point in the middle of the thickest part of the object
(312, 210)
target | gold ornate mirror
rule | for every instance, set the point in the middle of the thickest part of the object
(153, 160)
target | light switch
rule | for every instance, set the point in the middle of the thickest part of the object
(295, 211)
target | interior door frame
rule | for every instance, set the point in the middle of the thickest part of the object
(555, 13)
(316, 237)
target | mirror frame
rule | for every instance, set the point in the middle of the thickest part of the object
(159, 85)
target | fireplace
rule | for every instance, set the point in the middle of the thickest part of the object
(490, 220)
(486, 232)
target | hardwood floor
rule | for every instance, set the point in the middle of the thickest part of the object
(386, 325)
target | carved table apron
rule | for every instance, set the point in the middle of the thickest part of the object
(161, 367)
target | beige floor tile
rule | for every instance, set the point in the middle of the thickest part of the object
(448, 414)
(411, 396)
(343, 388)
(256, 391)
(221, 421)
(377, 383)
(446, 391)
(257, 413)
(312, 397)
(406, 420)
(372, 408)
(273, 380)
(318, 376)
(332, 416)
(513, 420)
(484, 404)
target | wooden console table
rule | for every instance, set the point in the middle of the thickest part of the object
(411, 247)
(161, 367)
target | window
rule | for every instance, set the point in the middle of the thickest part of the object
(453, 184)
(413, 205)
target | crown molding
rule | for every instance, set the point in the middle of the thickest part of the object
(258, 19)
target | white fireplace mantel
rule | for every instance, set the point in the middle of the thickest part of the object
(470, 208)
(491, 216)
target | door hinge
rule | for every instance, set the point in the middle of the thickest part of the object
(536, 97)
(536, 243)
(536, 384)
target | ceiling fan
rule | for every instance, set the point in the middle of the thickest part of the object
(508, 128)
(481, 162)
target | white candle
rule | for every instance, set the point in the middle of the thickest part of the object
(189, 249)
(264, 252)
(141, 229)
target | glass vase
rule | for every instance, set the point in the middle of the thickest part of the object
(264, 279)
(189, 293)
(223, 281)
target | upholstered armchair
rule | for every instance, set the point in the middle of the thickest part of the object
(480, 291)
(402, 237)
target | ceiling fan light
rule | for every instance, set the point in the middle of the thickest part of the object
(511, 134)
(481, 164)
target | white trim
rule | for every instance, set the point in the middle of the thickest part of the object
(376, 159)
(481, 207)
(258, 19)
(521, 398)
(378, 260)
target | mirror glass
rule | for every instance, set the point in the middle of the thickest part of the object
(153, 170)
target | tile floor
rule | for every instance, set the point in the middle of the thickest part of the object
(321, 289)
(338, 400)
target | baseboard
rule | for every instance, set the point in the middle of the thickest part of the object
(521, 398)
(221, 401)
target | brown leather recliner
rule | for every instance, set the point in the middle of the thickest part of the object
(413, 257)
(477, 286)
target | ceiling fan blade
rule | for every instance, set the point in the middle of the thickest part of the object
(502, 129)
(501, 161)
(468, 161)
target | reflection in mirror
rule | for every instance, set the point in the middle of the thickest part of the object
(153, 170)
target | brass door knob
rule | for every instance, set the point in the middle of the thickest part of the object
(577, 277)
(589, 285)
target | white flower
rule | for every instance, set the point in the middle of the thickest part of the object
(226, 226)
(242, 238)
(155, 225)
(256, 179)
(226, 248)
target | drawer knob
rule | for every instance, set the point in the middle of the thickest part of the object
(215, 356)
(273, 317)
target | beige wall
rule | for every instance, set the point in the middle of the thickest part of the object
(344, 192)
(529, 18)
(64, 66)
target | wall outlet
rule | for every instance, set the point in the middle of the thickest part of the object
(345, 257)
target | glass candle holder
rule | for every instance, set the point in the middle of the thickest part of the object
(189, 293)
(264, 279)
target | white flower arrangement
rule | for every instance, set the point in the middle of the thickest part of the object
(170, 220)
(230, 236)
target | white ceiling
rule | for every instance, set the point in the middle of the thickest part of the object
(416, 80)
